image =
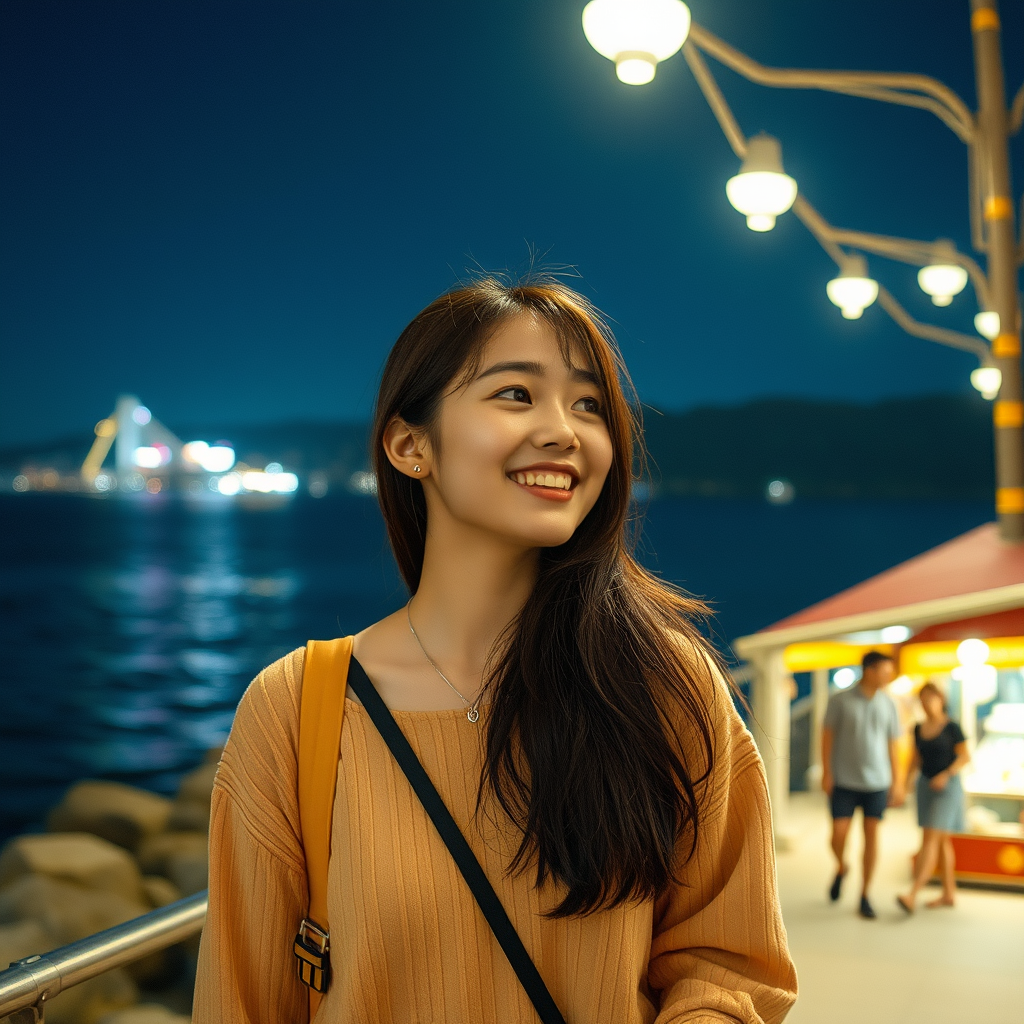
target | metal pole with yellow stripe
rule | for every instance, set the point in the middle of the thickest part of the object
(991, 142)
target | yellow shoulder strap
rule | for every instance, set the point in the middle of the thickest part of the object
(321, 711)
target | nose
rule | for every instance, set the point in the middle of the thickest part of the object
(557, 433)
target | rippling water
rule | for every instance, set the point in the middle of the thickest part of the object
(130, 627)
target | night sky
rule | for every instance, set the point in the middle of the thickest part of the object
(232, 209)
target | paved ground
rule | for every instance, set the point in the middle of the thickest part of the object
(957, 966)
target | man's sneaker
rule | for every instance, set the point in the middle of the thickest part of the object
(866, 910)
(837, 885)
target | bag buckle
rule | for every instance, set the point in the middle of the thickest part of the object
(312, 949)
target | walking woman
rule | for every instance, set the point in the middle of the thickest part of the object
(570, 716)
(940, 754)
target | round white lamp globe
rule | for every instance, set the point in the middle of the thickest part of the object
(986, 323)
(853, 291)
(988, 380)
(762, 190)
(942, 281)
(636, 34)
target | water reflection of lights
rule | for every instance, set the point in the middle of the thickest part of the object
(170, 671)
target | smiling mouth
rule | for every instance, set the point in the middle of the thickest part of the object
(553, 481)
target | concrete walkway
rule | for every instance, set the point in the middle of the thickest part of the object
(956, 966)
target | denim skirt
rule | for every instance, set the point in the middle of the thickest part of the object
(943, 810)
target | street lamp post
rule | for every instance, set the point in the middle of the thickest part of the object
(638, 34)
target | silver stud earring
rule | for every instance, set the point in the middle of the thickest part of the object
(415, 469)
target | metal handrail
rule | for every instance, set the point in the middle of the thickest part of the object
(32, 980)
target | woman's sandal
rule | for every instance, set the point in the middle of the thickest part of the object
(905, 905)
(942, 901)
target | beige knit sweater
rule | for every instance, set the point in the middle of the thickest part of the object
(409, 945)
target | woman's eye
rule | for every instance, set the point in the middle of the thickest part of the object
(587, 405)
(514, 394)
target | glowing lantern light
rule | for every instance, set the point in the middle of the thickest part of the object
(636, 34)
(986, 323)
(853, 291)
(148, 457)
(942, 281)
(988, 380)
(762, 190)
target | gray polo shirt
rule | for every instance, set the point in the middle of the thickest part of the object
(861, 730)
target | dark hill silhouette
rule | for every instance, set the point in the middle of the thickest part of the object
(928, 447)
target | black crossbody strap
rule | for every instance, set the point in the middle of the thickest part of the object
(483, 891)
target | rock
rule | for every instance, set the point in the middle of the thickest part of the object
(25, 938)
(166, 854)
(160, 891)
(67, 912)
(74, 857)
(191, 810)
(124, 815)
(145, 1013)
(92, 1000)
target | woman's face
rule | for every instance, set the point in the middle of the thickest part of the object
(522, 450)
(932, 703)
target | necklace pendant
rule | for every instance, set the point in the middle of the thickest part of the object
(473, 715)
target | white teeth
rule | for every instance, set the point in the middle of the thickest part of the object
(560, 480)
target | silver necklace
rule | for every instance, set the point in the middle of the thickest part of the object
(473, 712)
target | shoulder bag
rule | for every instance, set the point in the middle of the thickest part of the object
(329, 667)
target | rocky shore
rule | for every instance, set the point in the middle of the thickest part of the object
(110, 853)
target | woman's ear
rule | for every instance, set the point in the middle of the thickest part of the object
(406, 448)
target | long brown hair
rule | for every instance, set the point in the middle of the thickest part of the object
(599, 733)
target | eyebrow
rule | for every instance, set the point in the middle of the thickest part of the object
(576, 373)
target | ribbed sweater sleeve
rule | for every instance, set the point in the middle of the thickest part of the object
(719, 951)
(246, 972)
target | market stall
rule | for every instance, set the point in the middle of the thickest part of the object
(954, 615)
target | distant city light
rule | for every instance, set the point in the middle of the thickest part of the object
(318, 485)
(218, 458)
(267, 482)
(230, 484)
(102, 482)
(273, 467)
(106, 428)
(844, 678)
(780, 492)
(141, 415)
(154, 485)
(194, 451)
(148, 457)
(20, 483)
(363, 483)
(895, 634)
(133, 482)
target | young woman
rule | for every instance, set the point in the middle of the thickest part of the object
(568, 712)
(940, 754)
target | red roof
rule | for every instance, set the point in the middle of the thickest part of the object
(974, 562)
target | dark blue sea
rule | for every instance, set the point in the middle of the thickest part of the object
(131, 626)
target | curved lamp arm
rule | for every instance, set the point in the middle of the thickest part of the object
(829, 237)
(1016, 112)
(907, 89)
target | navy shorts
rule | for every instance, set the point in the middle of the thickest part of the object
(845, 801)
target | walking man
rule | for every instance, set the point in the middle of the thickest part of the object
(859, 765)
